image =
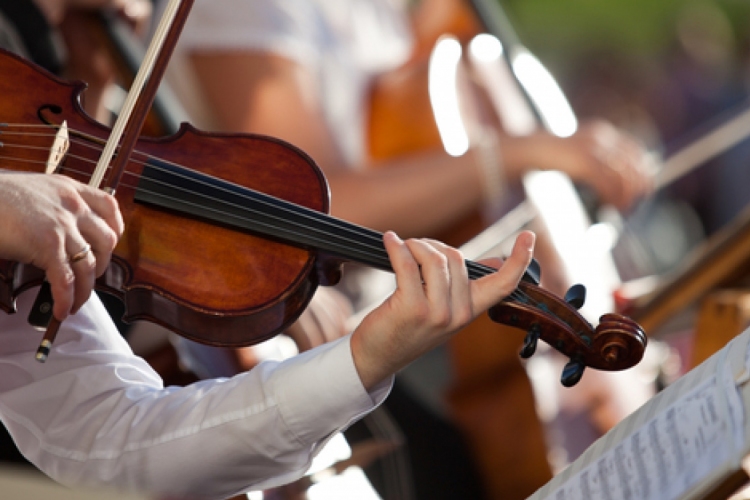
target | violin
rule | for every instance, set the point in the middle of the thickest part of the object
(227, 235)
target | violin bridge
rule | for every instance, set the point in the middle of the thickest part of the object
(59, 148)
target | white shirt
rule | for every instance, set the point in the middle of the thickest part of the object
(96, 414)
(343, 43)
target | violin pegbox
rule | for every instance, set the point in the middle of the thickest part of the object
(575, 296)
(617, 343)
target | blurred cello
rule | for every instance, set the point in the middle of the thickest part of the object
(499, 90)
(491, 399)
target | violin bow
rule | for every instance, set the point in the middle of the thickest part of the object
(128, 127)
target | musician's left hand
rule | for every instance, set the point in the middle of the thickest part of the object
(434, 298)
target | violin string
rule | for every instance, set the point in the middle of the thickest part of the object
(373, 239)
(376, 237)
(363, 232)
(27, 125)
(475, 270)
(88, 144)
(304, 215)
(517, 294)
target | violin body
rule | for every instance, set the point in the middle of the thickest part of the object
(209, 283)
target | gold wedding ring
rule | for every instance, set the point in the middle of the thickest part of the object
(80, 255)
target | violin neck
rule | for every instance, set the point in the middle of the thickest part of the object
(214, 200)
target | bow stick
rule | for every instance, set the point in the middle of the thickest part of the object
(128, 127)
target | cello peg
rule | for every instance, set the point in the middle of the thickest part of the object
(576, 296)
(572, 373)
(530, 342)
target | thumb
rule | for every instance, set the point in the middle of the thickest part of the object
(489, 290)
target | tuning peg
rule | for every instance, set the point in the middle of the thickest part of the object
(576, 296)
(572, 373)
(533, 273)
(530, 342)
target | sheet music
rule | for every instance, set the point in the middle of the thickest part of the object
(673, 446)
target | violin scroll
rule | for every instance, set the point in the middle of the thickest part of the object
(617, 343)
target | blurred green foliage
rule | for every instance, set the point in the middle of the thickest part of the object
(557, 30)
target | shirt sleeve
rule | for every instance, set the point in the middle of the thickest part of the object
(289, 28)
(96, 414)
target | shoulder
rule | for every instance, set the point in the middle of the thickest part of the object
(252, 24)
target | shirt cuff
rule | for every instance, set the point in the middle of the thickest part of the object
(327, 396)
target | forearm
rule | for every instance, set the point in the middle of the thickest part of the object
(418, 195)
(96, 414)
(54, 10)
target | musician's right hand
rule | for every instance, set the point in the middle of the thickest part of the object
(599, 155)
(61, 226)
